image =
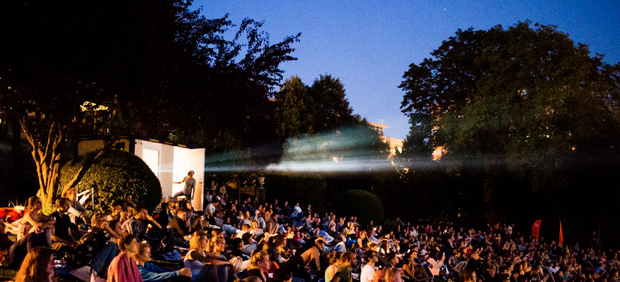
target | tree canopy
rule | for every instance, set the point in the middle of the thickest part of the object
(518, 108)
(163, 70)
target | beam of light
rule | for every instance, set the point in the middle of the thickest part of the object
(349, 149)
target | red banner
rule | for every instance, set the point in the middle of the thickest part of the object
(536, 228)
(561, 240)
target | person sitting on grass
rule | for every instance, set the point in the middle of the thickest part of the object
(38, 266)
(153, 273)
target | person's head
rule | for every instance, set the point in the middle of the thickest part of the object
(116, 226)
(190, 173)
(62, 205)
(34, 203)
(349, 258)
(218, 245)
(128, 209)
(247, 238)
(218, 233)
(320, 242)
(128, 243)
(144, 252)
(70, 194)
(143, 213)
(393, 274)
(393, 258)
(260, 260)
(182, 214)
(199, 241)
(371, 257)
(116, 208)
(282, 275)
(334, 257)
(38, 265)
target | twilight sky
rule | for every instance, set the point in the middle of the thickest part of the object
(370, 44)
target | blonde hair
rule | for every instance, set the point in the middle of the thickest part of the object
(194, 243)
(34, 265)
(391, 273)
(257, 257)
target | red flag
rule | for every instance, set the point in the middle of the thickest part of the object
(561, 240)
(536, 228)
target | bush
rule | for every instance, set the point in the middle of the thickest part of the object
(115, 175)
(305, 188)
(363, 204)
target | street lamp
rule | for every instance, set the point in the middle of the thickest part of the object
(261, 190)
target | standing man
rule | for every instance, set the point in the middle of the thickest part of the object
(190, 185)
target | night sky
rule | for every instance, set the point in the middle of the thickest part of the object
(370, 44)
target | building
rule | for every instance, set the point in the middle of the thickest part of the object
(396, 145)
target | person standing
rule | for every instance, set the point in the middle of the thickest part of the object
(190, 186)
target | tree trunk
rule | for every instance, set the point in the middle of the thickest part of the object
(46, 156)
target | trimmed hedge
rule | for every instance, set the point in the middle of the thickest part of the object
(363, 204)
(115, 175)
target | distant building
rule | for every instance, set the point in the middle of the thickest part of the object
(396, 145)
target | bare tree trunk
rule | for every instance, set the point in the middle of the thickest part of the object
(46, 157)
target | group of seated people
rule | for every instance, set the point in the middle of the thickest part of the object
(250, 241)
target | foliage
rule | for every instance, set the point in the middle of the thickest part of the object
(143, 59)
(523, 112)
(116, 175)
(330, 108)
(318, 109)
(294, 108)
(305, 188)
(363, 204)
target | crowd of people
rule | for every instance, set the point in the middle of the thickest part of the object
(252, 241)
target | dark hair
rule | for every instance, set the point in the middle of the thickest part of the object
(368, 255)
(61, 201)
(281, 275)
(125, 240)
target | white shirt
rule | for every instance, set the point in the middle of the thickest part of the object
(367, 273)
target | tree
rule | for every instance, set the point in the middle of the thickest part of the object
(330, 107)
(294, 108)
(524, 100)
(162, 68)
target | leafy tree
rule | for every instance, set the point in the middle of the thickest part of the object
(164, 70)
(294, 108)
(330, 107)
(524, 100)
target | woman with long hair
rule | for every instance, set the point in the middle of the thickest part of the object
(202, 262)
(334, 259)
(35, 221)
(38, 266)
(259, 265)
(123, 267)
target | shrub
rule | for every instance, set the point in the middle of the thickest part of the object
(305, 188)
(363, 204)
(115, 175)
